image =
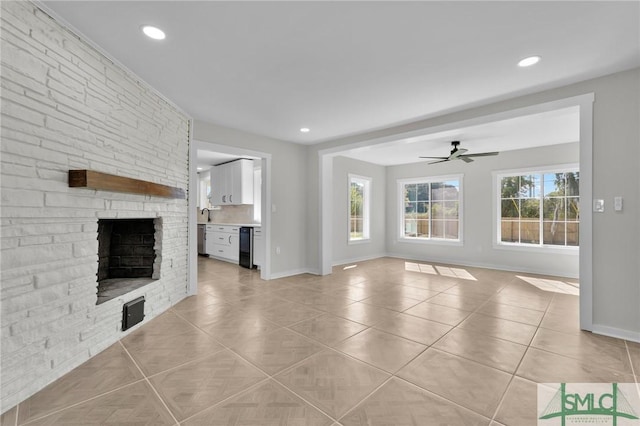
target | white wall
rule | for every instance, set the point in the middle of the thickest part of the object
(616, 235)
(65, 106)
(478, 248)
(344, 252)
(288, 192)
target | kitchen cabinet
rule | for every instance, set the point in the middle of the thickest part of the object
(232, 183)
(258, 247)
(223, 242)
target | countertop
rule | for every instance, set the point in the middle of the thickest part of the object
(252, 225)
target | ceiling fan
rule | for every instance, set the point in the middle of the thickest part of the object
(459, 154)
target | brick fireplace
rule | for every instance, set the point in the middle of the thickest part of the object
(70, 108)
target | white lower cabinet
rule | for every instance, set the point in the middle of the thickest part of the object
(223, 242)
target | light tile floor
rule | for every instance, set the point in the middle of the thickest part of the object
(388, 342)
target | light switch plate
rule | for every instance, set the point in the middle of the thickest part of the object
(617, 203)
(598, 206)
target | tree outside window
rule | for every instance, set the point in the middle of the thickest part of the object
(540, 208)
(359, 209)
(431, 208)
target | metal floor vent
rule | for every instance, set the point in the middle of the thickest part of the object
(132, 313)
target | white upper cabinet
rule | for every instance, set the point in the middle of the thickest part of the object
(232, 183)
(218, 185)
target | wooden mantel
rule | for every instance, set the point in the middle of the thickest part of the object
(97, 180)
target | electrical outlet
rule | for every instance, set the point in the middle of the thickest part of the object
(278, 250)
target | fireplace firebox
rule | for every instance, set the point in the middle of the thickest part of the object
(127, 256)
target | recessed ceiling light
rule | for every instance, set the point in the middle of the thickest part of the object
(305, 130)
(153, 32)
(527, 62)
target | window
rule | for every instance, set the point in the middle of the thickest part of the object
(430, 208)
(359, 201)
(539, 208)
(204, 190)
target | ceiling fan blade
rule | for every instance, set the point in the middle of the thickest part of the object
(458, 152)
(482, 154)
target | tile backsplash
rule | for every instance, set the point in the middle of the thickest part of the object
(228, 214)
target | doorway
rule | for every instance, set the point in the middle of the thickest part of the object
(585, 110)
(224, 151)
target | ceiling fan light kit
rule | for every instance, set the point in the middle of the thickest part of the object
(459, 154)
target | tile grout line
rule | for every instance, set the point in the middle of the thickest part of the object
(447, 399)
(81, 402)
(88, 399)
(230, 349)
(269, 376)
(326, 347)
(149, 383)
(366, 327)
(479, 362)
(334, 419)
(513, 376)
(412, 359)
(506, 389)
(187, 362)
(633, 371)
(287, 327)
(477, 311)
(366, 397)
(320, 313)
(437, 395)
(393, 374)
(193, 361)
(222, 401)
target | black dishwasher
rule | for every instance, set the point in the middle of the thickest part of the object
(246, 247)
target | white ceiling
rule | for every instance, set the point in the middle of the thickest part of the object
(542, 129)
(342, 68)
(206, 159)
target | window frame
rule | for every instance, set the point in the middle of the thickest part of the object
(366, 208)
(401, 210)
(204, 189)
(497, 209)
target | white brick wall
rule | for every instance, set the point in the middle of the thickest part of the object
(65, 106)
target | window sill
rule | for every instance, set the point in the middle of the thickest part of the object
(566, 250)
(360, 241)
(431, 241)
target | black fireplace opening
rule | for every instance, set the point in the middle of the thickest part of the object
(126, 256)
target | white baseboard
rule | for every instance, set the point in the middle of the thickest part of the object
(358, 259)
(619, 333)
(284, 274)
